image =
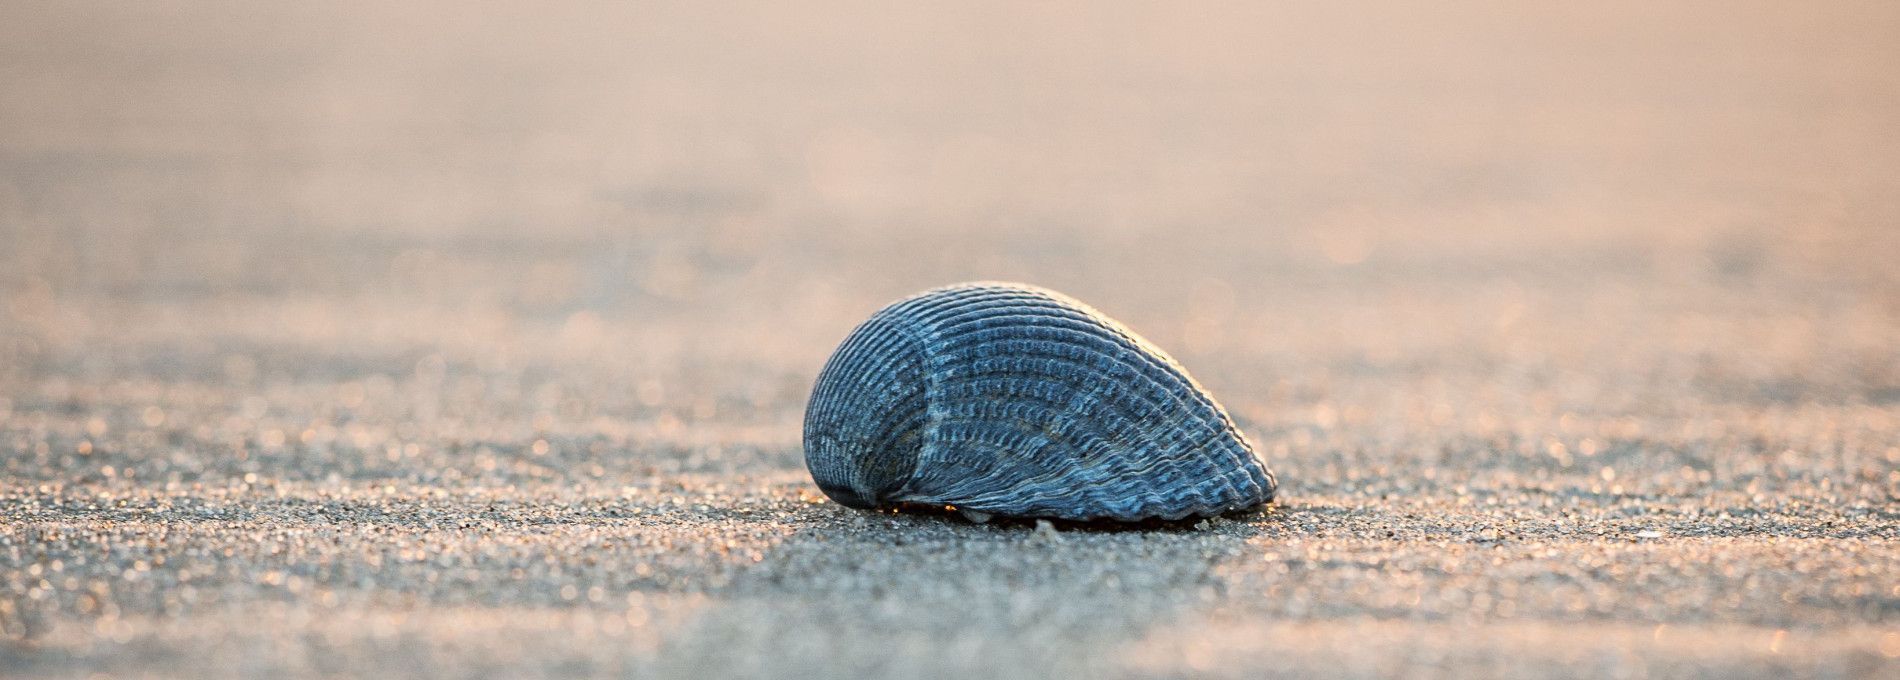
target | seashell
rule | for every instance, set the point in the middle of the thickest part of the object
(1011, 400)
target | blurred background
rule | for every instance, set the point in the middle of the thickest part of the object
(616, 214)
(474, 337)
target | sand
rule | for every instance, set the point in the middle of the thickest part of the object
(439, 342)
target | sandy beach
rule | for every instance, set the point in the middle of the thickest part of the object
(439, 341)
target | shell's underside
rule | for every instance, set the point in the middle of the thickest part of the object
(1005, 399)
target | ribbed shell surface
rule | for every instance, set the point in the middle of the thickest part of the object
(1014, 400)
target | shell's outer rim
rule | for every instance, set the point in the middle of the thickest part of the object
(1203, 512)
(1268, 491)
(1192, 511)
(986, 517)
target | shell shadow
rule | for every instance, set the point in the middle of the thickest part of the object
(930, 594)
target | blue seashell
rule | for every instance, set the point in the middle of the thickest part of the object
(1007, 399)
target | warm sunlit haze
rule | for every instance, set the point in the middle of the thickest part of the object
(451, 339)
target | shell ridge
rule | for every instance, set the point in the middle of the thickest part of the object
(1097, 459)
(1108, 342)
(977, 382)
